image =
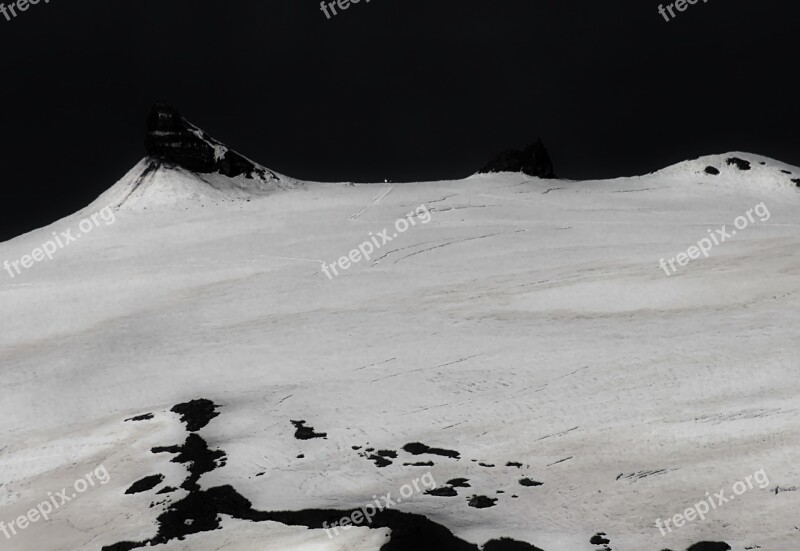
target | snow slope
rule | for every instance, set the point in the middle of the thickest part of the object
(153, 184)
(528, 322)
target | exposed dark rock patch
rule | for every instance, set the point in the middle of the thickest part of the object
(382, 458)
(201, 511)
(416, 448)
(146, 484)
(174, 140)
(710, 546)
(482, 502)
(459, 483)
(599, 539)
(443, 491)
(306, 433)
(506, 544)
(420, 464)
(449, 489)
(379, 461)
(711, 170)
(166, 490)
(145, 417)
(196, 414)
(741, 164)
(198, 456)
(786, 171)
(514, 464)
(534, 160)
(489, 465)
(529, 483)
(166, 449)
(796, 181)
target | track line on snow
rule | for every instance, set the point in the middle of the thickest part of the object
(375, 201)
(424, 368)
(375, 365)
(562, 433)
(635, 190)
(375, 261)
(456, 241)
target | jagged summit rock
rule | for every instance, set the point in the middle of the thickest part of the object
(186, 167)
(173, 139)
(533, 161)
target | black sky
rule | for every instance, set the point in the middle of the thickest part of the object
(411, 90)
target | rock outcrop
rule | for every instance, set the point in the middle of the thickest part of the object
(533, 161)
(173, 140)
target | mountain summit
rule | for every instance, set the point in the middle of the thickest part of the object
(533, 161)
(173, 139)
(186, 166)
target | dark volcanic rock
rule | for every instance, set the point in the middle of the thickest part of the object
(507, 544)
(710, 546)
(529, 483)
(711, 170)
(304, 432)
(741, 164)
(201, 510)
(145, 485)
(174, 140)
(445, 491)
(415, 448)
(533, 161)
(458, 483)
(196, 414)
(145, 417)
(482, 502)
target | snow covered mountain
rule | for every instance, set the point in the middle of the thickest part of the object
(524, 350)
(185, 166)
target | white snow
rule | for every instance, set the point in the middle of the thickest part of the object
(152, 185)
(528, 321)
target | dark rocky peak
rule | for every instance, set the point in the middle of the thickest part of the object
(173, 140)
(533, 161)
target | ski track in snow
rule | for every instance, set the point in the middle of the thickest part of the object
(377, 200)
